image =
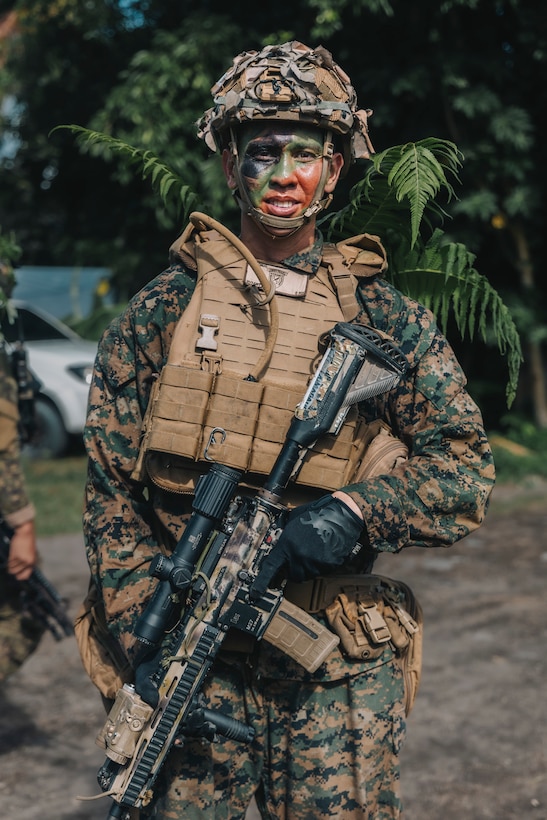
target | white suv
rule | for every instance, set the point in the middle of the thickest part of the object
(62, 362)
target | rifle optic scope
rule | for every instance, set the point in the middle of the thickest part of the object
(214, 491)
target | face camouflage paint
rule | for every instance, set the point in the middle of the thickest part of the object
(281, 168)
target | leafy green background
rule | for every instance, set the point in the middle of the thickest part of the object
(473, 72)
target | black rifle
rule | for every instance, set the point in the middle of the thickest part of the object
(27, 389)
(38, 595)
(204, 587)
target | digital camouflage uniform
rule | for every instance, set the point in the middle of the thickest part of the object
(326, 743)
(19, 634)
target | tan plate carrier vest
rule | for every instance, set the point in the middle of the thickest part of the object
(203, 407)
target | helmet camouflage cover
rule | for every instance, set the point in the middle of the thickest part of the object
(287, 82)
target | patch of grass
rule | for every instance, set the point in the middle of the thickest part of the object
(520, 450)
(56, 487)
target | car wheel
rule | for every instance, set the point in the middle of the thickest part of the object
(50, 439)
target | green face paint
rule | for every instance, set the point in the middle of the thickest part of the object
(281, 167)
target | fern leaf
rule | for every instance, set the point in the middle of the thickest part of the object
(372, 208)
(416, 172)
(441, 276)
(398, 191)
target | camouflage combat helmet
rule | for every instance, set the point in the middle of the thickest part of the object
(289, 82)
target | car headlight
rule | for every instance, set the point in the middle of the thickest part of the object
(84, 372)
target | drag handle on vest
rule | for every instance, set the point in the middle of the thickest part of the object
(357, 365)
(213, 494)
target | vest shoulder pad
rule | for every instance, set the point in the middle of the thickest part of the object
(364, 255)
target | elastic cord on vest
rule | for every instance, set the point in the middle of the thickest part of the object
(199, 221)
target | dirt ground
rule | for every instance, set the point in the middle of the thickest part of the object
(476, 744)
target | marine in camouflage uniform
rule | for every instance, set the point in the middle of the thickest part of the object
(326, 743)
(19, 633)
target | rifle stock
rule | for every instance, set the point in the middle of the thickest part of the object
(204, 586)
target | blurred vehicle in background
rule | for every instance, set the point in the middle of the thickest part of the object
(62, 362)
(63, 292)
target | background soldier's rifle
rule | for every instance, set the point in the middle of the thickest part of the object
(204, 587)
(28, 385)
(39, 598)
(27, 388)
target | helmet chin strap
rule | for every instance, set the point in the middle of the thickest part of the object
(293, 224)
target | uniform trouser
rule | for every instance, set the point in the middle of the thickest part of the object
(321, 750)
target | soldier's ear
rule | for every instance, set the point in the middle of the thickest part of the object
(228, 168)
(336, 165)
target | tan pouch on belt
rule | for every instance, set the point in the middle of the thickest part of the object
(376, 613)
(383, 453)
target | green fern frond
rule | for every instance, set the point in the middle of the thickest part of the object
(165, 182)
(397, 199)
(441, 276)
(398, 191)
(372, 208)
(418, 175)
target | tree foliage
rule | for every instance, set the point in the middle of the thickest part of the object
(437, 273)
(470, 72)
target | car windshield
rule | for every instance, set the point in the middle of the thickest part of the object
(30, 328)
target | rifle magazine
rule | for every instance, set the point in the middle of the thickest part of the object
(300, 636)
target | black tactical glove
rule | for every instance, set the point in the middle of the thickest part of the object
(317, 538)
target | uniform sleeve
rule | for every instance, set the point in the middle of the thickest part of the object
(120, 535)
(15, 504)
(441, 493)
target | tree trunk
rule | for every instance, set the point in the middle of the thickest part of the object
(535, 356)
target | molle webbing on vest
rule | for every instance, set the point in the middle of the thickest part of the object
(203, 406)
(361, 256)
(244, 327)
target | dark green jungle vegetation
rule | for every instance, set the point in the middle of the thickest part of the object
(473, 72)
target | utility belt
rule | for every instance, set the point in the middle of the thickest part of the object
(369, 613)
(365, 611)
(374, 608)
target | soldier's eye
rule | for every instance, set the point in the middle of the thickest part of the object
(306, 155)
(262, 153)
